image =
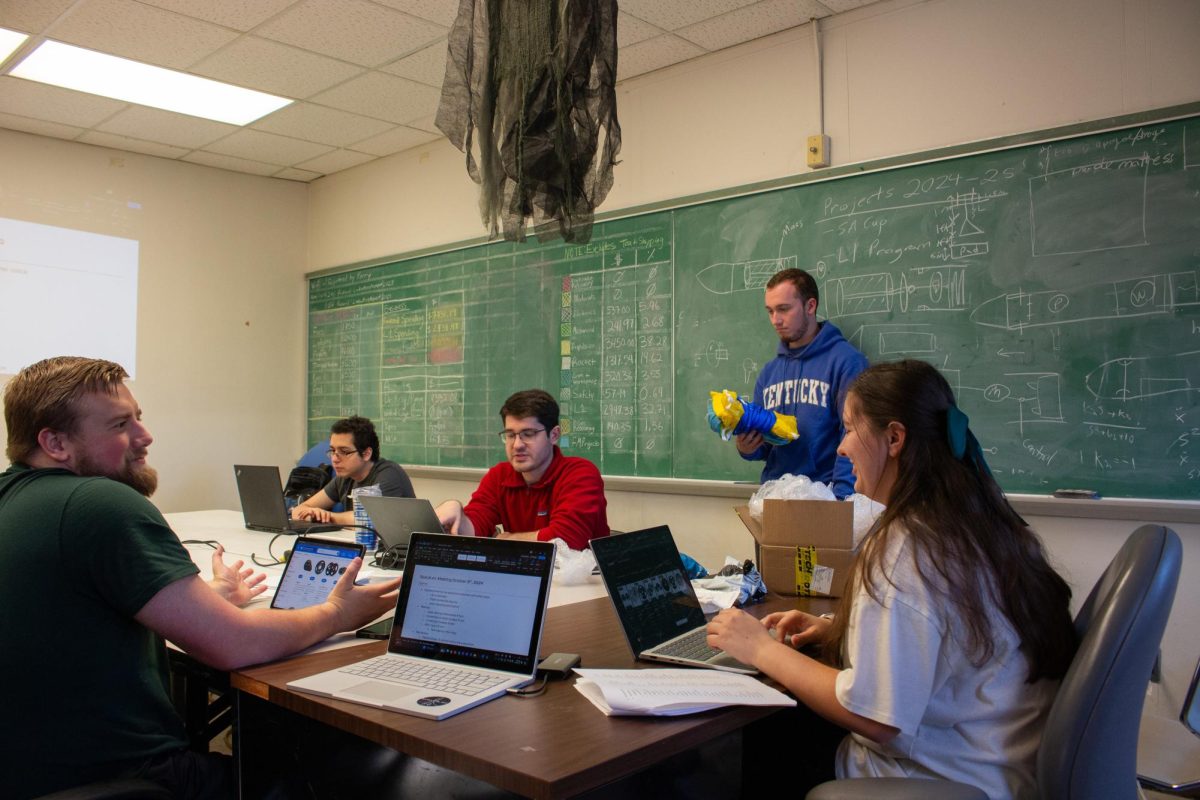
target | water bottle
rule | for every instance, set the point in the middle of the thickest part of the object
(364, 534)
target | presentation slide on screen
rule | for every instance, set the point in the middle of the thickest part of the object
(471, 608)
(65, 292)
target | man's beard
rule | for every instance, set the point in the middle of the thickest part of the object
(143, 480)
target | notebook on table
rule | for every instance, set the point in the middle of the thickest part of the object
(655, 602)
(263, 509)
(468, 627)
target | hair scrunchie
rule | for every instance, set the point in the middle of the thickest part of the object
(963, 443)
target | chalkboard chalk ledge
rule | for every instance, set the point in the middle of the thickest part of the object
(616, 483)
(1130, 508)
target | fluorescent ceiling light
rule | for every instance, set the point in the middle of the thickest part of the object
(121, 79)
(9, 42)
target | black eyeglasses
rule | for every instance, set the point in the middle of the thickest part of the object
(527, 435)
(342, 452)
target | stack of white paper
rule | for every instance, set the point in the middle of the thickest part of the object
(671, 692)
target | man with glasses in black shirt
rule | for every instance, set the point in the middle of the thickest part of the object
(538, 493)
(354, 453)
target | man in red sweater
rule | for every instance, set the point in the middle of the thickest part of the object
(538, 493)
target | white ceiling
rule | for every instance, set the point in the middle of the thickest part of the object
(366, 74)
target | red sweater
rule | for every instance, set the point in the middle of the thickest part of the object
(567, 503)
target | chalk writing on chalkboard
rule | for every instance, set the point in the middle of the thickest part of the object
(1056, 285)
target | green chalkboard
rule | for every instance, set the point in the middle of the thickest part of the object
(1056, 285)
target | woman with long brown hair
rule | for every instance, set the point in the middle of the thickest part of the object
(947, 648)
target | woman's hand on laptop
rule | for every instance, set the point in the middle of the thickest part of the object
(797, 628)
(358, 605)
(740, 635)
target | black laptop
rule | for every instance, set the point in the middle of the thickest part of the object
(655, 602)
(261, 492)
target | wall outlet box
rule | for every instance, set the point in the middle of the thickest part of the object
(818, 151)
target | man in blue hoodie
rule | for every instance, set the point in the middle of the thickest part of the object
(807, 379)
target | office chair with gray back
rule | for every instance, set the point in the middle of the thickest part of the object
(1089, 746)
(1169, 752)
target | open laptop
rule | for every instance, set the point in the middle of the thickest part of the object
(395, 519)
(313, 569)
(468, 627)
(261, 493)
(655, 602)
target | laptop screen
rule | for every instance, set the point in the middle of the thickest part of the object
(261, 493)
(473, 601)
(312, 571)
(649, 589)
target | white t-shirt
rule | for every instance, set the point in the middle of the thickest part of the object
(907, 667)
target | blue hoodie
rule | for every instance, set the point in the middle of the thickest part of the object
(810, 383)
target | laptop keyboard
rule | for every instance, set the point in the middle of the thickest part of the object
(426, 675)
(693, 647)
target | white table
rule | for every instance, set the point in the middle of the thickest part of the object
(228, 528)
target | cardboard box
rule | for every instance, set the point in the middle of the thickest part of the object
(820, 523)
(804, 571)
(803, 547)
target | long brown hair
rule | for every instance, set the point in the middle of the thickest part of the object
(961, 527)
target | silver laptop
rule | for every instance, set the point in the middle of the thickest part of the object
(263, 509)
(468, 627)
(655, 602)
(395, 519)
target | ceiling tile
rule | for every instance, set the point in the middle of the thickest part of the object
(352, 30)
(320, 124)
(751, 22)
(395, 140)
(293, 174)
(40, 101)
(839, 6)
(135, 145)
(631, 30)
(241, 15)
(382, 97)
(133, 30)
(426, 66)
(273, 67)
(267, 147)
(152, 124)
(231, 163)
(652, 54)
(443, 12)
(31, 17)
(672, 15)
(336, 161)
(39, 126)
(426, 123)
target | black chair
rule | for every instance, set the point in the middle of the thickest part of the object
(1089, 747)
(1169, 753)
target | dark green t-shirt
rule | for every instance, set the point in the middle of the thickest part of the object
(88, 684)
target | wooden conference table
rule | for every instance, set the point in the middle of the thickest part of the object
(550, 746)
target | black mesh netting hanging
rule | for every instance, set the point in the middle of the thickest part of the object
(531, 87)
